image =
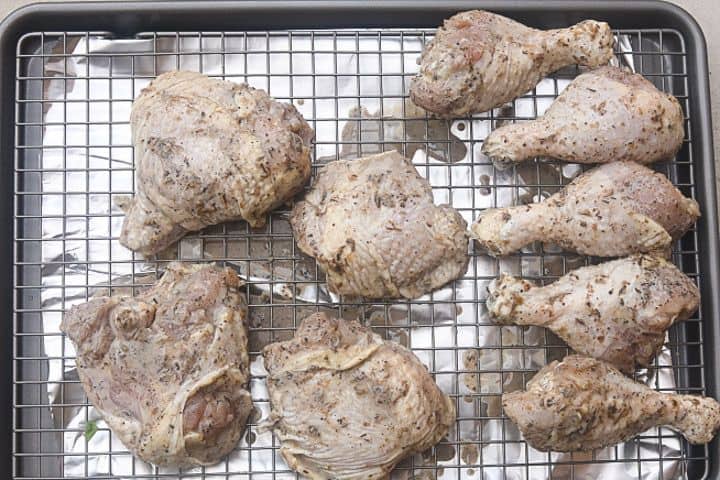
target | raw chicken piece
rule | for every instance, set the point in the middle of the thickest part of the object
(617, 311)
(168, 369)
(615, 209)
(605, 115)
(347, 405)
(479, 60)
(209, 151)
(372, 226)
(581, 404)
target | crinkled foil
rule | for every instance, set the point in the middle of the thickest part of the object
(450, 331)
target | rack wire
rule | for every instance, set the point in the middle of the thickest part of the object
(73, 156)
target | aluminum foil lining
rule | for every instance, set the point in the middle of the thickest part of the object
(450, 331)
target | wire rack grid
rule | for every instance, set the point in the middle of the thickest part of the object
(351, 85)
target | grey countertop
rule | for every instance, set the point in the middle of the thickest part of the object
(706, 12)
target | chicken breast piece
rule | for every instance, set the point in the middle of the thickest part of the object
(617, 311)
(479, 60)
(209, 151)
(613, 210)
(581, 404)
(347, 405)
(606, 115)
(168, 369)
(372, 226)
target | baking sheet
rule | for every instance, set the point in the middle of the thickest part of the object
(352, 86)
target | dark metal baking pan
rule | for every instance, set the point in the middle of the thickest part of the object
(24, 53)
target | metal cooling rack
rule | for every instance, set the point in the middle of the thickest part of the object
(65, 206)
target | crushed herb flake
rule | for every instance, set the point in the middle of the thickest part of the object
(90, 429)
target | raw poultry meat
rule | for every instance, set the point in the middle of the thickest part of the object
(347, 405)
(479, 60)
(606, 115)
(168, 369)
(615, 209)
(209, 151)
(372, 226)
(617, 311)
(582, 404)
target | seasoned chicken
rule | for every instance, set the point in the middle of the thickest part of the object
(605, 115)
(209, 151)
(168, 369)
(479, 60)
(615, 209)
(617, 311)
(581, 404)
(373, 228)
(347, 405)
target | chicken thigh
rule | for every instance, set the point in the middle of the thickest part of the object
(347, 405)
(479, 60)
(581, 404)
(617, 311)
(605, 115)
(168, 369)
(615, 209)
(373, 228)
(209, 151)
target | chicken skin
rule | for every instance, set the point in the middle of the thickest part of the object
(606, 115)
(347, 405)
(617, 311)
(581, 404)
(613, 210)
(209, 151)
(479, 60)
(168, 369)
(372, 226)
